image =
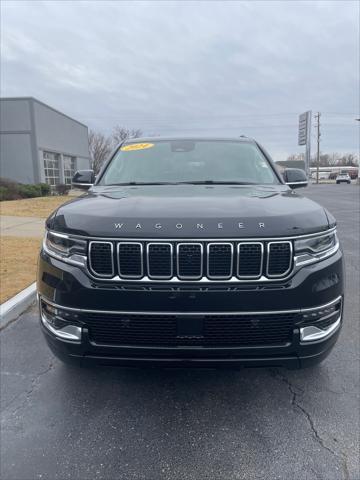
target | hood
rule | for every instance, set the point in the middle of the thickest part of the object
(190, 211)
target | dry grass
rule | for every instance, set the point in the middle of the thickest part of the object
(17, 272)
(32, 207)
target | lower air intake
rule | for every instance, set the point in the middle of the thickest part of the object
(211, 330)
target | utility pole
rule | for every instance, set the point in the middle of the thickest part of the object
(317, 116)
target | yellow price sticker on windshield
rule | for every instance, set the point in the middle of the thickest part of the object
(136, 146)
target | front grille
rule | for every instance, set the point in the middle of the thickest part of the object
(220, 260)
(250, 260)
(191, 261)
(101, 258)
(279, 258)
(130, 260)
(159, 260)
(191, 330)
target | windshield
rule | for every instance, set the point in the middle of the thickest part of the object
(188, 161)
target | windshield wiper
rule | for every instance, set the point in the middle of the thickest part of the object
(124, 184)
(193, 182)
(215, 182)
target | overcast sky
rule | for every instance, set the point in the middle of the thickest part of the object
(190, 67)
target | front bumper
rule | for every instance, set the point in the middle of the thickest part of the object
(313, 286)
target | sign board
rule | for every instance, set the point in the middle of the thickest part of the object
(303, 128)
(304, 137)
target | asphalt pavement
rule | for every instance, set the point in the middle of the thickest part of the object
(60, 422)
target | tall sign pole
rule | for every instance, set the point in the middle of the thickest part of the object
(305, 137)
(317, 116)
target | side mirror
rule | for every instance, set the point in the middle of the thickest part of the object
(295, 178)
(83, 179)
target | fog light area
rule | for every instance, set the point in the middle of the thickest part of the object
(64, 324)
(318, 324)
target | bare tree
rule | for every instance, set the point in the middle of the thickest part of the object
(336, 159)
(100, 147)
(349, 160)
(297, 157)
(119, 133)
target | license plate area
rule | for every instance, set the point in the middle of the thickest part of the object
(190, 327)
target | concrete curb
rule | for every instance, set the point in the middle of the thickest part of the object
(10, 310)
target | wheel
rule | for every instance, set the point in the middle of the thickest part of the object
(337, 183)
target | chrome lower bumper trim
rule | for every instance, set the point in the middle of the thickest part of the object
(312, 333)
(69, 332)
(141, 312)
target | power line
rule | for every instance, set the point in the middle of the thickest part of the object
(163, 117)
(340, 113)
(204, 115)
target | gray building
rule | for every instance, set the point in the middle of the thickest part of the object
(40, 144)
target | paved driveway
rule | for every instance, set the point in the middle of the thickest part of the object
(60, 422)
(22, 226)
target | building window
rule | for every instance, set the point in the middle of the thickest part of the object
(52, 168)
(69, 168)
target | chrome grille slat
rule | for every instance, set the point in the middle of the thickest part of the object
(250, 257)
(130, 259)
(101, 259)
(189, 260)
(181, 261)
(279, 259)
(159, 260)
(220, 257)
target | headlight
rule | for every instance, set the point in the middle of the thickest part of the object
(316, 248)
(66, 248)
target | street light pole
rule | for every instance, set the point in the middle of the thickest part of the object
(317, 116)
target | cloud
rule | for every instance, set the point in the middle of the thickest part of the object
(190, 67)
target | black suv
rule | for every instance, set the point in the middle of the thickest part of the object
(191, 252)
